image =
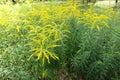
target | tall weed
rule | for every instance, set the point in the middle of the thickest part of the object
(60, 41)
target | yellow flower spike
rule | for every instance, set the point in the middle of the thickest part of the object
(98, 28)
(18, 28)
(31, 56)
(43, 60)
(52, 55)
(53, 46)
(39, 55)
(105, 24)
(93, 25)
(57, 58)
(47, 57)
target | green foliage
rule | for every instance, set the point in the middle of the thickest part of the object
(97, 56)
(55, 42)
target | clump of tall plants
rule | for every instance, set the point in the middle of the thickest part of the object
(55, 42)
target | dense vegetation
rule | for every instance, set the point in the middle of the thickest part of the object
(51, 41)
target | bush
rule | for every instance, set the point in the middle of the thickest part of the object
(55, 42)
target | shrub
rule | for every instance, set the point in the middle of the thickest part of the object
(60, 41)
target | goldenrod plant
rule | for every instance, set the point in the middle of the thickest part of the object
(58, 41)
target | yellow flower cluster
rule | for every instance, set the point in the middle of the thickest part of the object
(46, 24)
(95, 20)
